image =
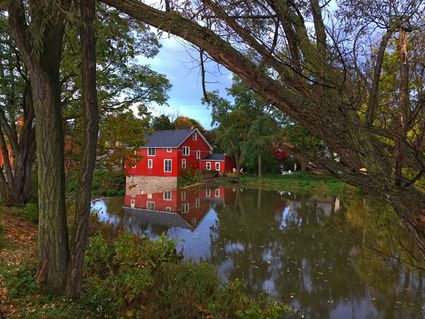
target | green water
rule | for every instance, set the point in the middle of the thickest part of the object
(329, 257)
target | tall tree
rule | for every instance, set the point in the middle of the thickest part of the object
(17, 134)
(313, 71)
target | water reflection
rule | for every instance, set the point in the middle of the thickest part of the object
(330, 257)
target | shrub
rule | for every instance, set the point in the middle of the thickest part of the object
(30, 212)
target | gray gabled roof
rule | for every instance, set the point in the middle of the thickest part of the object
(167, 138)
(214, 157)
(153, 217)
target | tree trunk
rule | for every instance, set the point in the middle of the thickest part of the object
(46, 90)
(260, 165)
(91, 128)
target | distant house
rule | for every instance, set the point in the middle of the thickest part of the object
(168, 153)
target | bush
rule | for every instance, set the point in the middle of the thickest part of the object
(189, 178)
(135, 277)
(30, 212)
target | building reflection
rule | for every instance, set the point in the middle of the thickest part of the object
(183, 208)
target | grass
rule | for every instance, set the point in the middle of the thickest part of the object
(299, 182)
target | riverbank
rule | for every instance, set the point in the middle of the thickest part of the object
(298, 182)
(143, 279)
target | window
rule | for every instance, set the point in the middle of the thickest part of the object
(133, 164)
(208, 166)
(150, 205)
(150, 163)
(217, 166)
(217, 193)
(195, 136)
(132, 203)
(149, 196)
(151, 151)
(185, 207)
(167, 195)
(208, 192)
(198, 154)
(186, 150)
(183, 195)
(167, 166)
(169, 149)
(198, 202)
(183, 163)
(168, 209)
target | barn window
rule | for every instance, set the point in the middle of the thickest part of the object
(150, 163)
(198, 154)
(217, 166)
(167, 166)
(195, 136)
(151, 151)
(186, 150)
(183, 163)
(208, 166)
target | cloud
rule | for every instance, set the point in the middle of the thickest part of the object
(177, 60)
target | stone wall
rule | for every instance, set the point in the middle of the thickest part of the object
(149, 184)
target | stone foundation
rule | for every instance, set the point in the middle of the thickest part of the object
(149, 184)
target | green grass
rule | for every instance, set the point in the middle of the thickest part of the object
(301, 182)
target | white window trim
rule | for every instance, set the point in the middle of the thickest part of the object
(183, 195)
(150, 205)
(154, 151)
(133, 164)
(169, 150)
(217, 193)
(168, 209)
(198, 154)
(149, 196)
(195, 136)
(150, 161)
(183, 163)
(185, 208)
(167, 197)
(171, 165)
(186, 153)
(208, 192)
(208, 166)
(217, 164)
(197, 202)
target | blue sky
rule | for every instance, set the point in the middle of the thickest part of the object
(175, 61)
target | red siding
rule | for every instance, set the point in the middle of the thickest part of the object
(158, 163)
(191, 161)
(225, 166)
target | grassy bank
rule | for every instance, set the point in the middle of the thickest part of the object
(125, 277)
(299, 182)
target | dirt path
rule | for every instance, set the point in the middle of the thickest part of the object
(17, 245)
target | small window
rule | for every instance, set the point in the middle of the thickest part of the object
(183, 163)
(167, 195)
(168, 209)
(208, 192)
(198, 154)
(183, 195)
(150, 163)
(169, 150)
(208, 166)
(217, 193)
(132, 203)
(198, 202)
(167, 166)
(185, 207)
(186, 150)
(217, 166)
(151, 151)
(133, 164)
(149, 196)
(195, 136)
(150, 205)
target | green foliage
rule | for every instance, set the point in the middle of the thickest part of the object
(137, 278)
(30, 212)
(105, 182)
(189, 178)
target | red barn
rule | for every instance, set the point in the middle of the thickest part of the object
(169, 152)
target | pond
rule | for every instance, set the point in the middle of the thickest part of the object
(329, 257)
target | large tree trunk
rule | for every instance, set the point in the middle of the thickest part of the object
(45, 84)
(91, 127)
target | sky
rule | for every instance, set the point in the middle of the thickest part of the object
(176, 62)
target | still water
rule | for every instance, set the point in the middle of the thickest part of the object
(330, 257)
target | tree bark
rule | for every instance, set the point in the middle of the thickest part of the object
(91, 127)
(45, 84)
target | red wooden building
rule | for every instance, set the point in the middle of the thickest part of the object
(170, 152)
